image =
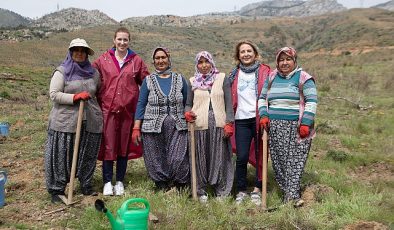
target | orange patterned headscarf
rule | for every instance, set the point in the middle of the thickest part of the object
(289, 51)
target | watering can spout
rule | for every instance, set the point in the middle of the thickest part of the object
(116, 224)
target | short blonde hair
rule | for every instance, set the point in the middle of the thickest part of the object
(237, 47)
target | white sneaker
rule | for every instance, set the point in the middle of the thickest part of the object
(119, 188)
(203, 199)
(221, 198)
(298, 203)
(241, 197)
(255, 197)
(108, 189)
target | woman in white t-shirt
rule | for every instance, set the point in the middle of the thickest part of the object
(247, 79)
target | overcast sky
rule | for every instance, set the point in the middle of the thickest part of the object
(120, 10)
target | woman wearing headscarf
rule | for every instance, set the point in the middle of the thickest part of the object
(122, 71)
(287, 106)
(209, 106)
(247, 80)
(160, 124)
(74, 80)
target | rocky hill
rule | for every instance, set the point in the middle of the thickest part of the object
(297, 8)
(274, 8)
(387, 6)
(192, 21)
(11, 19)
(72, 19)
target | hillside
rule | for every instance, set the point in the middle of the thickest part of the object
(75, 18)
(353, 31)
(11, 19)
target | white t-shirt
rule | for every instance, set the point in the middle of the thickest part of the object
(246, 96)
(121, 63)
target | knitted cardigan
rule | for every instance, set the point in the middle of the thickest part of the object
(160, 105)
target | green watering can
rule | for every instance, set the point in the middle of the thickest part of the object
(129, 216)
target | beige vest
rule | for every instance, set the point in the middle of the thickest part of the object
(201, 101)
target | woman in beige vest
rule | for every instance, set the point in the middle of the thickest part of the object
(209, 106)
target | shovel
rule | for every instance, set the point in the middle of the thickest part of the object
(264, 171)
(264, 175)
(68, 200)
(193, 153)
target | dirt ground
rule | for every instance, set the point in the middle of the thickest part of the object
(28, 204)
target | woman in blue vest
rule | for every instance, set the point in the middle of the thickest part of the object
(247, 80)
(160, 124)
(287, 107)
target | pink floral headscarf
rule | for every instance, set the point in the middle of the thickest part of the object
(206, 81)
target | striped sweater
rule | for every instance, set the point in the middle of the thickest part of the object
(284, 99)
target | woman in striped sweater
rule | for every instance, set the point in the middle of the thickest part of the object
(287, 107)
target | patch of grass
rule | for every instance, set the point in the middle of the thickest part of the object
(326, 128)
(351, 142)
(339, 156)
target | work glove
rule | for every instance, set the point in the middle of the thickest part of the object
(190, 116)
(136, 136)
(304, 131)
(228, 130)
(264, 123)
(81, 96)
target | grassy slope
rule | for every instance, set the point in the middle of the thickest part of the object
(349, 172)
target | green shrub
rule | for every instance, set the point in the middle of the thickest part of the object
(326, 128)
(5, 94)
(337, 155)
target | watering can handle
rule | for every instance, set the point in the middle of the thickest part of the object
(125, 205)
(5, 176)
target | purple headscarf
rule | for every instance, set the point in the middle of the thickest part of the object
(77, 71)
(204, 81)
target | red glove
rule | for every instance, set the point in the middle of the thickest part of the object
(304, 131)
(264, 123)
(136, 136)
(81, 96)
(228, 130)
(190, 116)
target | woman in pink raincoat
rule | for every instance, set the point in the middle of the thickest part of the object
(122, 72)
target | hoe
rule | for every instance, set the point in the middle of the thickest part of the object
(68, 200)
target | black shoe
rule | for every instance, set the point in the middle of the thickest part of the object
(55, 198)
(181, 186)
(88, 192)
(162, 186)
